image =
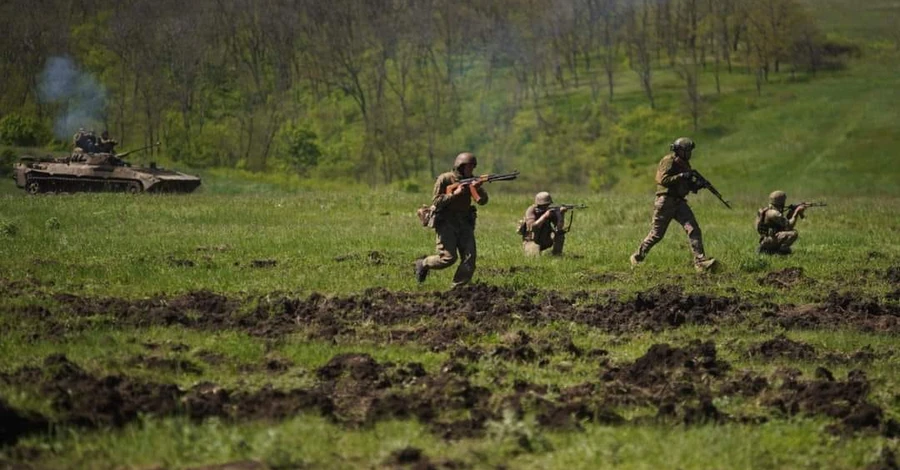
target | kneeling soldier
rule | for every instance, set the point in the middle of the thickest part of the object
(543, 226)
(775, 225)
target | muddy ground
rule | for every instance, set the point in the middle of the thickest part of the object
(439, 319)
(678, 383)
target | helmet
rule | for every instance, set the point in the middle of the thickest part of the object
(777, 198)
(682, 143)
(542, 198)
(464, 158)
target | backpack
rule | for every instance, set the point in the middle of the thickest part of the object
(523, 228)
(761, 228)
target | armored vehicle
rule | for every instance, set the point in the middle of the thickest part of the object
(98, 172)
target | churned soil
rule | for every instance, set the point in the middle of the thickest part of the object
(354, 390)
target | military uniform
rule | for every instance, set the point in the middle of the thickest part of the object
(674, 182)
(776, 231)
(106, 145)
(454, 224)
(541, 230)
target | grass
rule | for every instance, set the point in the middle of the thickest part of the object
(829, 138)
(106, 244)
(340, 243)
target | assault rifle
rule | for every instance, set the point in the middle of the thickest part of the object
(568, 207)
(484, 179)
(792, 208)
(703, 183)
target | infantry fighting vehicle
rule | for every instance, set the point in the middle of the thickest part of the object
(98, 172)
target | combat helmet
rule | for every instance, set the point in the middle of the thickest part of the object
(464, 158)
(682, 143)
(542, 199)
(777, 198)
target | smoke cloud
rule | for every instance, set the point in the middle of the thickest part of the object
(81, 97)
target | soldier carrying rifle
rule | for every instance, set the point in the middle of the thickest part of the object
(675, 179)
(544, 225)
(452, 216)
(775, 224)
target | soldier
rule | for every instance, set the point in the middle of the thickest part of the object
(106, 144)
(77, 138)
(543, 226)
(674, 179)
(87, 142)
(454, 222)
(775, 225)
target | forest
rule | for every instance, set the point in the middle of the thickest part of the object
(382, 91)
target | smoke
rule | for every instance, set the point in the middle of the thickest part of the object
(81, 97)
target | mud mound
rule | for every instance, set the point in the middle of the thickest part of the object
(784, 279)
(451, 315)
(892, 274)
(846, 401)
(842, 310)
(412, 458)
(14, 423)
(782, 347)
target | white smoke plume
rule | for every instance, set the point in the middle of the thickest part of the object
(81, 97)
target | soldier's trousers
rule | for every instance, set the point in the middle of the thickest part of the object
(455, 242)
(666, 208)
(544, 240)
(779, 242)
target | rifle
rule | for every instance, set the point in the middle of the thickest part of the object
(483, 178)
(703, 183)
(568, 207)
(122, 155)
(793, 208)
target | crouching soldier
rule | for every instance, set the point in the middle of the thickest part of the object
(775, 225)
(543, 227)
(454, 221)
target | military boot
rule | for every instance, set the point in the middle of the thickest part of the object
(635, 259)
(703, 265)
(421, 270)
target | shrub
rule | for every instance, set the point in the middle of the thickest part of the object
(7, 159)
(22, 131)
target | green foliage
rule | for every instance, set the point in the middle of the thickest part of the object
(16, 129)
(297, 145)
(52, 223)
(8, 228)
(7, 159)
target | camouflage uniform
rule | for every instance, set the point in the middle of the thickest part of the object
(550, 233)
(106, 145)
(454, 224)
(776, 231)
(674, 182)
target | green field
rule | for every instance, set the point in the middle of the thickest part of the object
(270, 321)
(122, 285)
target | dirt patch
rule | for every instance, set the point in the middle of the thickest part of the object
(15, 423)
(784, 279)
(782, 347)
(413, 458)
(841, 310)
(892, 275)
(263, 263)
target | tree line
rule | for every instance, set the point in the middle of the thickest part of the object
(376, 90)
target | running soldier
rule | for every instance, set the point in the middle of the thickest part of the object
(675, 179)
(454, 222)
